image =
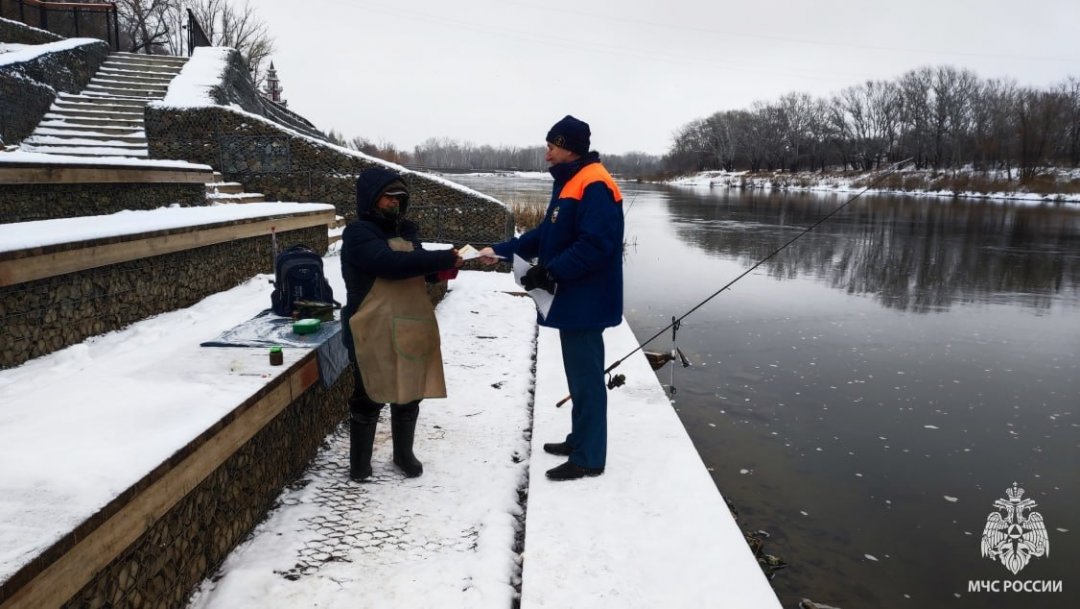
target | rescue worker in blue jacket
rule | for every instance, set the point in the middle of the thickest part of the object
(367, 257)
(579, 247)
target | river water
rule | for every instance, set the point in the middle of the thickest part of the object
(865, 396)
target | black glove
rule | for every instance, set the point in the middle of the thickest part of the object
(538, 277)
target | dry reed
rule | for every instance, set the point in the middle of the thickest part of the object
(528, 213)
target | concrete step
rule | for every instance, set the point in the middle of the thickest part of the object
(137, 74)
(80, 120)
(124, 91)
(66, 129)
(240, 197)
(140, 66)
(112, 80)
(228, 188)
(142, 57)
(86, 151)
(113, 61)
(149, 71)
(84, 139)
(60, 106)
(114, 97)
(107, 114)
(122, 84)
(80, 142)
(69, 98)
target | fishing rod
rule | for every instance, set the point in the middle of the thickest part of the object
(618, 380)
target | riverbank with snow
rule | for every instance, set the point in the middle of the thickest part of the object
(1052, 186)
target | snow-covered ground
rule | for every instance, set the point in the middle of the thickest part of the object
(40, 233)
(650, 532)
(812, 181)
(19, 157)
(20, 53)
(445, 539)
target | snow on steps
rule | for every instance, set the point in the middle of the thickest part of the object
(85, 125)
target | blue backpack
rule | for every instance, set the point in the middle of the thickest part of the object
(298, 275)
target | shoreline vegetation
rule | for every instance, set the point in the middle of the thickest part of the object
(1049, 186)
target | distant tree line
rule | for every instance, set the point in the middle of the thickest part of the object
(445, 153)
(941, 117)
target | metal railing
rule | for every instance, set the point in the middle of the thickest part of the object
(69, 19)
(196, 37)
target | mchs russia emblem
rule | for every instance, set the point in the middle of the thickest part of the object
(1014, 534)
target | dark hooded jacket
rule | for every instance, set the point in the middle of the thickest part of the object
(365, 254)
(580, 242)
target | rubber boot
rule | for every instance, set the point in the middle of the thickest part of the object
(403, 429)
(361, 441)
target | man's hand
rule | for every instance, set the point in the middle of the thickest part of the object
(538, 277)
(458, 260)
(488, 256)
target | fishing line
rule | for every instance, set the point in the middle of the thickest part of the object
(617, 381)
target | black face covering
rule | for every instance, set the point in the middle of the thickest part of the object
(390, 213)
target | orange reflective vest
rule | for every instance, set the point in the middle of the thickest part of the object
(589, 174)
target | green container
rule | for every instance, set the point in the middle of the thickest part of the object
(306, 326)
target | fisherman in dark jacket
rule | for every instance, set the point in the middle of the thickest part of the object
(579, 248)
(383, 264)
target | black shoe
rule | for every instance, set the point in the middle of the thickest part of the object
(570, 471)
(561, 448)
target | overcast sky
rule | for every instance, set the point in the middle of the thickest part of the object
(501, 72)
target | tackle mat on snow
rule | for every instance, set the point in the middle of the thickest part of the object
(269, 330)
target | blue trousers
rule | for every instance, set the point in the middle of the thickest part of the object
(583, 361)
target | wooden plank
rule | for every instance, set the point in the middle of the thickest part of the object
(102, 174)
(21, 270)
(57, 583)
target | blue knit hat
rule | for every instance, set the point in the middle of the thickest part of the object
(571, 134)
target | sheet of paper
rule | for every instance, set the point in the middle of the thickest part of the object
(468, 252)
(542, 298)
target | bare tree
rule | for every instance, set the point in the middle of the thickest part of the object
(1037, 113)
(915, 115)
(147, 26)
(1070, 90)
(992, 133)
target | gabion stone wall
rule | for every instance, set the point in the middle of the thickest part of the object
(26, 202)
(288, 167)
(165, 565)
(42, 316)
(17, 32)
(29, 81)
(24, 103)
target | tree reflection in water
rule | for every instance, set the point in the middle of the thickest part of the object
(911, 253)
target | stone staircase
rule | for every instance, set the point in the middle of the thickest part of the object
(220, 191)
(106, 119)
